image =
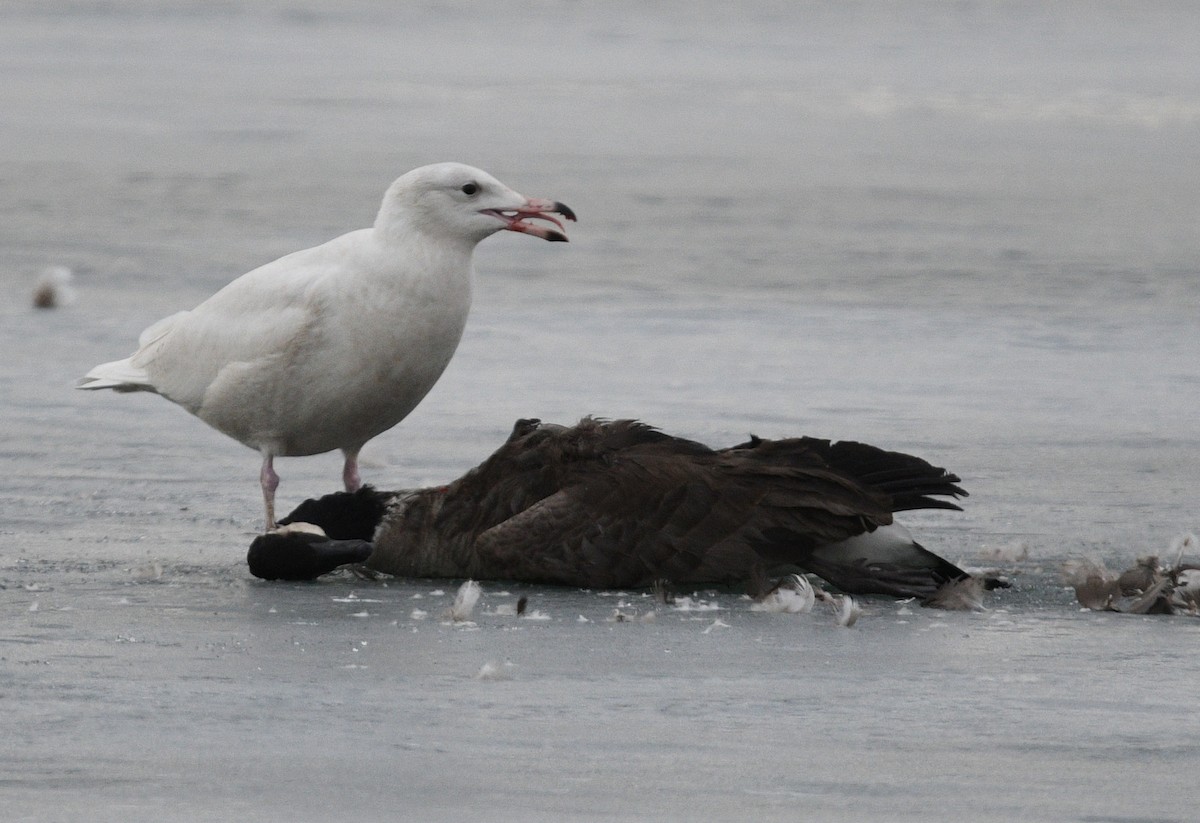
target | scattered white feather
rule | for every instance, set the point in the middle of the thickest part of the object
(1187, 540)
(687, 604)
(621, 616)
(464, 601)
(793, 595)
(418, 614)
(354, 598)
(516, 609)
(1186, 597)
(1189, 580)
(495, 670)
(536, 614)
(848, 611)
(149, 573)
(1183, 544)
(958, 595)
(718, 623)
(1095, 586)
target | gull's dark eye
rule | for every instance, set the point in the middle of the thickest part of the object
(470, 188)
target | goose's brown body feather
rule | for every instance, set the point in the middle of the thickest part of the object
(620, 504)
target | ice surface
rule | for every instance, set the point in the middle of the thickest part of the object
(962, 230)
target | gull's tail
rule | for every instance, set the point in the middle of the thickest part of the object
(119, 375)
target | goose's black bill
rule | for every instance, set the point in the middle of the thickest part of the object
(302, 556)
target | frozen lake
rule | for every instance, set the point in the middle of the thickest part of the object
(966, 231)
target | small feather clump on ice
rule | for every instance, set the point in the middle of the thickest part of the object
(151, 572)
(624, 614)
(512, 609)
(53, 288)
(1147, 587)
(847, 610)
(464, 601)
(495, 670)
(795, 594)
(958, 595)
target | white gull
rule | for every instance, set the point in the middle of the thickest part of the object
(328, 347)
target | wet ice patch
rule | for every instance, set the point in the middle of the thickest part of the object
(354, 598)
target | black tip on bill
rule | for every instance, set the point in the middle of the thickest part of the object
(565, 211)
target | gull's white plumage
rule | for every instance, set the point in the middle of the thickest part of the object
(327, 347)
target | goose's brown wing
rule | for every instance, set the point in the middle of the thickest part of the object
(540, 460)
(910, 481)
(647, 515)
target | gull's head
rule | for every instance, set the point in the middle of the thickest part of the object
(467, 203)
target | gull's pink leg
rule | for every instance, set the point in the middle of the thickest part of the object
(350, 471)
(270, 482)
